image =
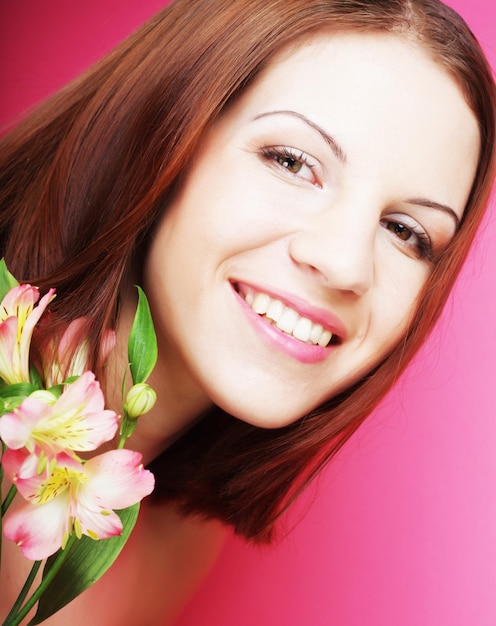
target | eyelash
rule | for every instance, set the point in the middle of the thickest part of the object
(285, 153)
(272, 154)
(423, 247)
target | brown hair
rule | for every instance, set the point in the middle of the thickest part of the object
(85, 178)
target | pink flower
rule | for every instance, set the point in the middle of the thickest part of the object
(76, 421)
(72, 497)
(18, 317)
(68, 356)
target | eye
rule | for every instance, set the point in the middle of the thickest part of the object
(291, 162)
(410, 235)
(400, 230)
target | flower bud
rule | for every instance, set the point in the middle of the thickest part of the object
(140, 399)
(45, 396)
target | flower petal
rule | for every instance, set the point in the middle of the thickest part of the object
(117, 479)
(72, 354)
(19, 301)
(16, 428)
(19, 463)
(38, 529)
(98, 524)
(34, 316)
(27, 321)
(8, 347)
(107, 344)
(80, 413)
(85, 392)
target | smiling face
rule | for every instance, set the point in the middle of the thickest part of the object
(291, 261)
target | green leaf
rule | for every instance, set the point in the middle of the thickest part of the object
(86, 562)
(35, 377)
(12, 396)
(22, 390)
(7, 281)
(142, 345)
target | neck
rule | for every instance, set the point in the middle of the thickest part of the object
(180, 403)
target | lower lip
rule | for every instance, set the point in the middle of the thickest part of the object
(294, 348)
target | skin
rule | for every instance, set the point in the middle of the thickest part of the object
(339, 221)
(164, 560)
(316, 228)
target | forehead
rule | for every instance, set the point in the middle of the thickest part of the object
(374, 63)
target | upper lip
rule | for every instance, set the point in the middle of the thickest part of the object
(314, 313)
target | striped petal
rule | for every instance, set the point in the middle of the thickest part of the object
(77, 421)
(70, 496)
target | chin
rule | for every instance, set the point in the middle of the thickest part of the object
(262, 417)
(262, 403)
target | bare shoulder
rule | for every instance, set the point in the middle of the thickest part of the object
(163, 562)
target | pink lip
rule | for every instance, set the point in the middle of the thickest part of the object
(317, 315)
(301, 351)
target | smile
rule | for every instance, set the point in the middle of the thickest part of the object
(288, 320)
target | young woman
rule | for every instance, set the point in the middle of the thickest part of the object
(296, 185)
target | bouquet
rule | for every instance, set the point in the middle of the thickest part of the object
(75, 514)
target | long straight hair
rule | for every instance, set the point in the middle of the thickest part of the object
(86, 177)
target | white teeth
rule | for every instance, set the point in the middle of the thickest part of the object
(325, 338)
(275, 310)
(316, 333)
(260, 304)
(288, 320)
(302, 329)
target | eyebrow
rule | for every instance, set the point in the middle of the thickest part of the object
(335, 147)
(340, 154)
(436, 205)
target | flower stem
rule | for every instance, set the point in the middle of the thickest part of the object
(123, 432)
(1, 514)
(11, 617)
(8, 499)
(125, 418)
(5, 504)
(14, 620)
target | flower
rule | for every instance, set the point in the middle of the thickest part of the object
(66, 356)
(18, 317)
(72, 497)
(139, 400)
(51, 409)
(77, 421)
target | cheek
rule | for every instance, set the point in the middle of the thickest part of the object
(232, 201)
(397, 299)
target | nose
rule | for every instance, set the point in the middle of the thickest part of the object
(336, 247)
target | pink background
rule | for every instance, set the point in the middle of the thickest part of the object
(401, 529)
